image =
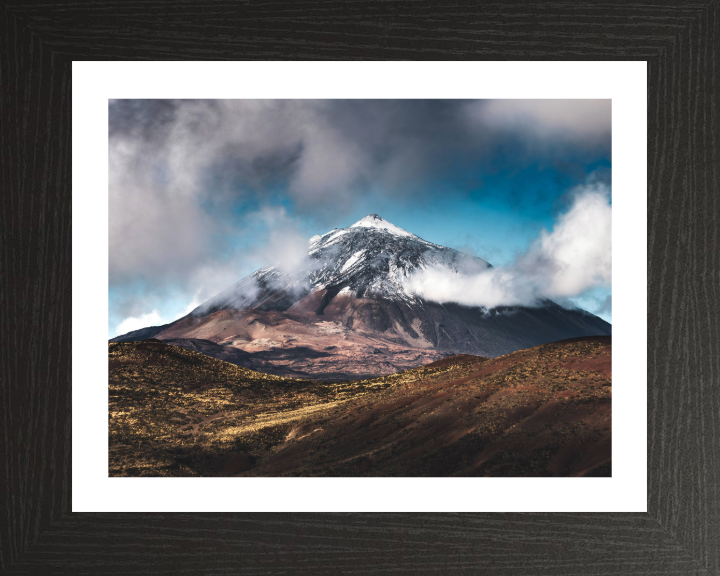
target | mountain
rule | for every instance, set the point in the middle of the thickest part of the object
(346, 311)
(372, 259)
(141, 334)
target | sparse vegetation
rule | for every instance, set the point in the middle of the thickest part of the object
(541, 411)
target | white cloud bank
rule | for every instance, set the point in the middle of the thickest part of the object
(142, 321)
(154, 318)
(572, 259)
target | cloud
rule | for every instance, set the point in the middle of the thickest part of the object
(605, 306)
(280, 246)
(179, 169)
(186, 175)
(283, 245)
(323, 151)
(571, 260)
(194, 303)
(136, 322)
(155, 318)
(584, 121)
(238, 295)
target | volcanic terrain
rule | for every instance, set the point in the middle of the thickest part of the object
(541, 411)
(347, 312)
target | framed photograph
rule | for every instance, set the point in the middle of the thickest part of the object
(362, 357)
(357, 291)
(361, 348)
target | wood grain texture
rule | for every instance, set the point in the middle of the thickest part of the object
(681, 532)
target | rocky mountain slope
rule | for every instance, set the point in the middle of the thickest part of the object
(348, 311)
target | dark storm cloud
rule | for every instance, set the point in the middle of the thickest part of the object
(335, 149)
(148, 117)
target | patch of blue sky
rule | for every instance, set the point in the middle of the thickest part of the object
(598, 301)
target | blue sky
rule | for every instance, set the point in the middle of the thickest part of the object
(200, 189)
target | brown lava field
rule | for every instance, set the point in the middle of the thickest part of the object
(543, 411)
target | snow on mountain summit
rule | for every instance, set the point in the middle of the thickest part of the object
(375, 221)
(371, 258)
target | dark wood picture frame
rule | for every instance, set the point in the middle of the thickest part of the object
(680, 533)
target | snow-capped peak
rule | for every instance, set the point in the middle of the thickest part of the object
(375, 221)
(372, 258)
